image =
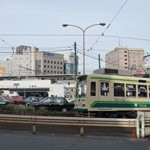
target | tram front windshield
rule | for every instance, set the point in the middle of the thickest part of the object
(81, 86)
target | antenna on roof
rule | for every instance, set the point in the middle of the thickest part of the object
(119, 42)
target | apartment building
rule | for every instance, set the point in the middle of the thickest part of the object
(124, 58)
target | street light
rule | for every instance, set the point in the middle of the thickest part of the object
(83, 31)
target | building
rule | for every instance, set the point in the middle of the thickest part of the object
(124, 58)
(22, 62)
(29, 61)
(69, 59)
(40, 88)
(49, 63)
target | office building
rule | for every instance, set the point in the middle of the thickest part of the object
(123, 58)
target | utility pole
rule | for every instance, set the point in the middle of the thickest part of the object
(75, 58)
(99, 61)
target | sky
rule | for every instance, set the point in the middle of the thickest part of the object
(39, 23)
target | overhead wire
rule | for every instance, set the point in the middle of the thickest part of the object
(113, 36)
(108, 26)
(113, 19)
(6, 43)
(115, 65)
(91, 53)
(127, 37)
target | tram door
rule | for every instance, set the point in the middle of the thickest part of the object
(104, 93)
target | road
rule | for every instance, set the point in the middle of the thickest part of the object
(25, 140)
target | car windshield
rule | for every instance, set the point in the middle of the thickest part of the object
(60, 100)
(47, 100)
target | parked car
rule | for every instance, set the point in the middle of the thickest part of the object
(55, 103)
(14, 99)
(7, 98)
(31, 100)
(17, 100)
(4, 100)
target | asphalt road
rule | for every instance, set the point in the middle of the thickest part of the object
(25, 140)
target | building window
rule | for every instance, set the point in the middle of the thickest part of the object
(51, 62)
(58, 62)
(44, 66)
(48, 61)
(44, 61)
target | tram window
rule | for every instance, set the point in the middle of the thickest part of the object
(119, 89)
(130, 90)
(142, 91)
(93, 88)
(104, 88)
(81, 88)
(149, 91)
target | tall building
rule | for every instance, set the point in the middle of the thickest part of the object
(124, 58)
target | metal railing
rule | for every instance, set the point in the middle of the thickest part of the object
(140, 125)
(67, 121)
(72, 121)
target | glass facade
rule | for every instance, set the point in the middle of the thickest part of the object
(69, 68)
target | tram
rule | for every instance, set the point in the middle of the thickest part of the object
(112, 95)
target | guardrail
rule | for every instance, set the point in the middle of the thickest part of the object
(72, 121)
(67, 121)
(140, 125)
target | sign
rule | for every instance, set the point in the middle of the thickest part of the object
(48, 54)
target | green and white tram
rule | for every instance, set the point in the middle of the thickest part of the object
(111, 94)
